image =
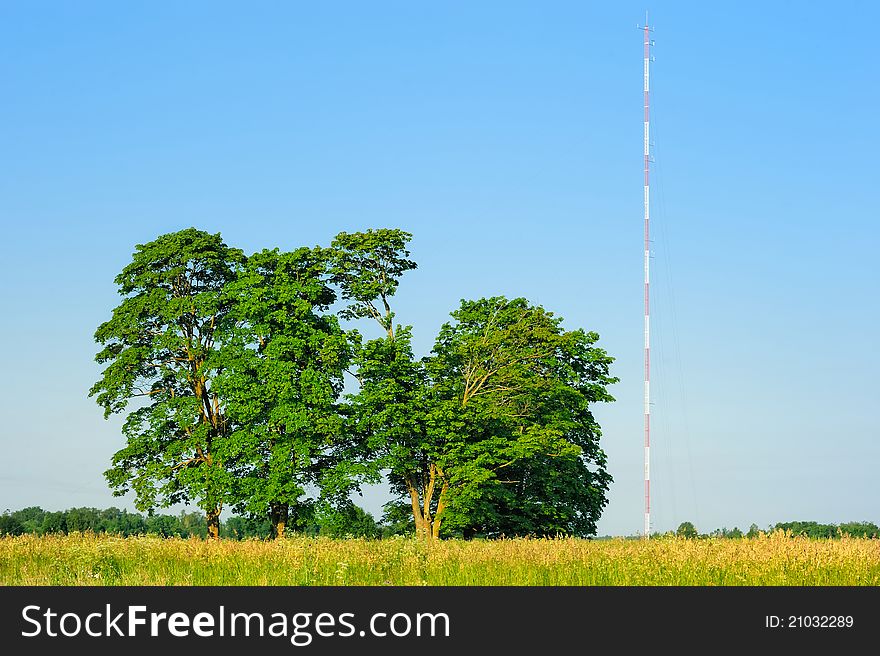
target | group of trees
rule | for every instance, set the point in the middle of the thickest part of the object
(37, 521)
(817, 530)
(348, 520)
(809, 529)
(230, 371)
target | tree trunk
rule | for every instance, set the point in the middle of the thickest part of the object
(213, 519)
(441, 506)
(278, 514)
(428, 527)
(421, 526)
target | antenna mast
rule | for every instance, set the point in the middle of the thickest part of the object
(648, 44)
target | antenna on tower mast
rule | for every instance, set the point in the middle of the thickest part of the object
(648, 43)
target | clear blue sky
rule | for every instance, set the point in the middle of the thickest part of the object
(507, 136)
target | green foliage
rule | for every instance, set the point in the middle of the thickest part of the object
(817, 530)
(112, 521)
(389, 414)
(493, 433)
(54, 522)
(10, 525)
(282, 376)
(160, 347)
(230, 370)
(859, 529)
(392, 410)
(367, 267)
(810, 529)
(346, 520)
(31, 518)
(397, 519)
(686, 530)
(813, 530)
(238, 369)
(519, 444)
(242, 528)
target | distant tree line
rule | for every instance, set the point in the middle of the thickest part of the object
(229, 370)
(809, 529)
(349, 520)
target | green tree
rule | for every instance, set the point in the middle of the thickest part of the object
(282, 379)
(9, 524)
(192, 524)
(516, 444)
(241, 528)
(346, 520)
(54, 522)
(165, 526)
(390, 411)
(160, 348)
(122, 522)
(31, 518)
(687, 530)
(810, 529)
(860, 529)
(84, 519)
(397, 519)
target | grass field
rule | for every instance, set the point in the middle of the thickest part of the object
(774, 559)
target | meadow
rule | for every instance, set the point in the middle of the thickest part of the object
(774, 559)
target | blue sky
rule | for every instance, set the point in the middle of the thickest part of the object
(507, 137)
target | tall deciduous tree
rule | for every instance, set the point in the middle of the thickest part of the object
(281, 383)
(517, 444)
(160, 348)
(392, 405)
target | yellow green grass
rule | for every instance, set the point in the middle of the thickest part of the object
(775, 559)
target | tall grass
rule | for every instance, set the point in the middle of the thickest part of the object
(775, 559)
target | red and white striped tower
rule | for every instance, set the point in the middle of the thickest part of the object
(648, 44)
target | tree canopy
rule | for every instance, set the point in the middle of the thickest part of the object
(230, 370)
(519, 445)
(282, 378)
(161, 347)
